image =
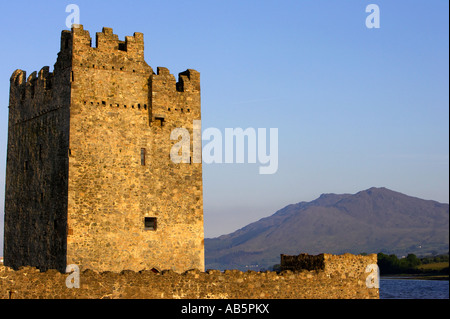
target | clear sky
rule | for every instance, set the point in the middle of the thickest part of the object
(354, 107)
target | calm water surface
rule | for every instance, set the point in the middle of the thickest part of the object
(413, 289)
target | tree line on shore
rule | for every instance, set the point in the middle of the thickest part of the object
(391, 264)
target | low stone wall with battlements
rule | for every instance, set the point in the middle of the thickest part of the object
(342, 277)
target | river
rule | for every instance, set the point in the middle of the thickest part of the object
(391, 288)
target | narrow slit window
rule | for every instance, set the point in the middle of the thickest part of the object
(150, 223)
(142, 156)
(48, 85)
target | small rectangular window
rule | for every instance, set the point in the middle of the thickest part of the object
(25, 166)
(150, 223)
(142, 156)
(160, 119)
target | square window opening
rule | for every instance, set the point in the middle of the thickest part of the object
(150, 223)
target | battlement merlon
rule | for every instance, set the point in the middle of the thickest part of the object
(189, 81)
(17, 81)
(18, 78)
(79, 39)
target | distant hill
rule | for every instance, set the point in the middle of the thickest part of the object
(370, 221)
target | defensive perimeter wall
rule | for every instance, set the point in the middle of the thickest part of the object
(337, 277)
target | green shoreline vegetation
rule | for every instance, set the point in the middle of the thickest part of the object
(412, 267)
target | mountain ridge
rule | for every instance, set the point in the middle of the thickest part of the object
(371, 221)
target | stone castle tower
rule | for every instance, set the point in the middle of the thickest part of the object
(89, 179)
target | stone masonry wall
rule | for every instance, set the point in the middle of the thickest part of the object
(347, 265)
(120, 171)
(89, 176)
(341, 280)
(37, 166)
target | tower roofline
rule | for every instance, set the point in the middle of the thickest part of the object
(104, 41)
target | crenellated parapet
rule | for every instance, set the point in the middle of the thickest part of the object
(169, 96)
(31, 97)
(188, 81)
(112, 73)
(37, 83)
(80, 41)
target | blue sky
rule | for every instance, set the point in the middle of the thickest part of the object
(354, 107)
